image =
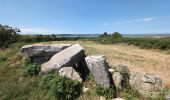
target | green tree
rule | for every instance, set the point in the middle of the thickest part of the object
(8, 35)
(104, 34)
(116, 35)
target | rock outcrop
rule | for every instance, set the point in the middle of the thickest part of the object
(41, 53)
(70, 73)
(42, 49)
(121, 76)
(117, 79)
(147, 85)
(64, 58)
(99, 69)
(123, 69)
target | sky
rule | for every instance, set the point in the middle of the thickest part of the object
(86, 16)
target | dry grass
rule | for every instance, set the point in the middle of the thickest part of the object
(14, 86)
(140, 60)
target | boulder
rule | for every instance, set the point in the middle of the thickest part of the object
(117, 79)
(167, 95)
(38, 50)
(99, 69)
(64, 58)
(70, 73)
(123, 69)
(125, 72)
(41, 53)
(147, 85)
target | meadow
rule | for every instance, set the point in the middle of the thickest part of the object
(13, 85)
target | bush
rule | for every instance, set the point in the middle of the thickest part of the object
(116, 35)
(29, 68)
(108, 93)
(2, 58)
(62, 88)
(152, 43)
(8, 35)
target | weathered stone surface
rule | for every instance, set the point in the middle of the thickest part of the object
(122, 69)
(99, 69)
(125, 72)
(167, 95)
(148, 85)
(117, 79)
(102, 98)
(85, 89)
(42, 49)
(64, 58)
(112, 70)
(70, 73)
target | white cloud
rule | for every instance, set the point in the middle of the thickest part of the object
(38, 31)
(117, 23)
(146, 19)
(106, 24)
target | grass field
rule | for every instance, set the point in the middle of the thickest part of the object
(14, 86)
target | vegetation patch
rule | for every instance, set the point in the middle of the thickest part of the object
(108, 93)
(30, 68)
(62, 88)
(152, 43)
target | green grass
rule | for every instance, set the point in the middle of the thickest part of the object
(12, 83)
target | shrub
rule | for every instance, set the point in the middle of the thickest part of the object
(116, 35)
(153, 43)
(8, 35)
(108, 93)
(2, 58)
(29, 68)
(62, 88)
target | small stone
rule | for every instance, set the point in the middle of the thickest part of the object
(102, 98)
(111, 70)
(70, 73)
(85, 89)
(117, 78)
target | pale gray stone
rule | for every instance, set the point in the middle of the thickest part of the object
(70, 73)
(117, 79)
(112, 70)
(99, 69)
(85, 89)
(123, 69)
(148, 85)
(167, 95)
(64, 58)
(42, 49)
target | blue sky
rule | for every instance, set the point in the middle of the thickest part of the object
(87, 16)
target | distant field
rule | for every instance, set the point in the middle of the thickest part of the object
(124, 35)
(14, 86)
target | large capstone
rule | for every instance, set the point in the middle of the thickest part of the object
(40, 53)
(147, 85)
(99, 69)
(70, 73)
(42, 49)
(67, 57)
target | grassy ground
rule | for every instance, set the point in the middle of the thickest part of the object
(14, 86)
